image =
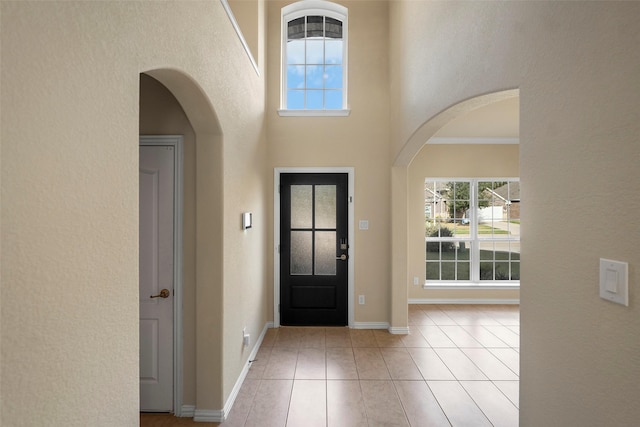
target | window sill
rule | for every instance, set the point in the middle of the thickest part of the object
(314, 113)
(473, 286)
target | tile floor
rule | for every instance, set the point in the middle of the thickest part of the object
(458, 366)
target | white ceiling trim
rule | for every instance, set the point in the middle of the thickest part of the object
(473, 141)
(232, 18)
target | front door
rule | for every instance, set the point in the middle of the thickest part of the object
(313, 248)
(156, 277)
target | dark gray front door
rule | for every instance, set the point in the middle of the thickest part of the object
(313, 249)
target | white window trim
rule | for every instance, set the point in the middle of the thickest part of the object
(474, 282)
(305, 8)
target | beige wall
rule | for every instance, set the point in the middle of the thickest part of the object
(359, 141)
(443, 161)
(574, 64)
(247, 14)
(70, 201)
(70, 101)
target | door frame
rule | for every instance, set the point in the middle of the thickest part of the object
(350, 171)
(175, 141)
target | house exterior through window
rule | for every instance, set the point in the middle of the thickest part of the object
(472, 231)
(314, 59)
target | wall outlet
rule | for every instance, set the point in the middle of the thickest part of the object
(416, 280)
(361, 299)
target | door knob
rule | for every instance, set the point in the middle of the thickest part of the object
(163, 294)
(342, 257)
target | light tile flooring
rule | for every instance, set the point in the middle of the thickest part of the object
(458, 366)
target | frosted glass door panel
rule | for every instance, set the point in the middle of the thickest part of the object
(301, 206)
(326, 253)
(326, 206)
(301, 250)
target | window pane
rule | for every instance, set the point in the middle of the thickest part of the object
(301, 254)
(295, 99)
(333, 99)
(333, 51)
(464, 271)
(433, 251)
(448, 271)
(464, 249)
(486, 271)
(315, 52)
(515, 270)
(325, 206)
(514, 248)
(486, 250)
(315, 26)
(461, 229)
(295, 77)
(295, 29)
(441, 229)
(326, 253)
(459, 192)
(315, 77)
(333, 76)
(301, 207)
(502, 271)
(515, 260)
(314, 100)
(333, 28)
(433, 271)
(513, 215)
(295, 52)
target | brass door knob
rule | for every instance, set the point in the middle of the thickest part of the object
(163, 294)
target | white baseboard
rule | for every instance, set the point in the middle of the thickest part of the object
(188, 411)
(399, 330)
(218, 416)
(463, 301)
(370, 325)
(208, 416)
(236, 388)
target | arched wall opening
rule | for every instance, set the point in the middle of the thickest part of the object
(401, 229)
(172, 103)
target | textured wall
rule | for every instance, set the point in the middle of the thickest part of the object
(70, 90)
(575, 64)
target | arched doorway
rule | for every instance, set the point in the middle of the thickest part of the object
(171, 103)
(400, 198)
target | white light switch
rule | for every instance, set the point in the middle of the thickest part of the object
(363, 224)
(614, 281)
(611, 281)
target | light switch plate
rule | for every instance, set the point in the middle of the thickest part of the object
(614, 281)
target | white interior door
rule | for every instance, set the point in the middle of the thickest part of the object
(156, 277)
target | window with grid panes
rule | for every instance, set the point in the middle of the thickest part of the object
(472, 231)
(314, 66)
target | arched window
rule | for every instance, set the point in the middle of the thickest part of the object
(314, 58)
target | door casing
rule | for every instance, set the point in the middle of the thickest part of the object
(276, 236)
(175, 141)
